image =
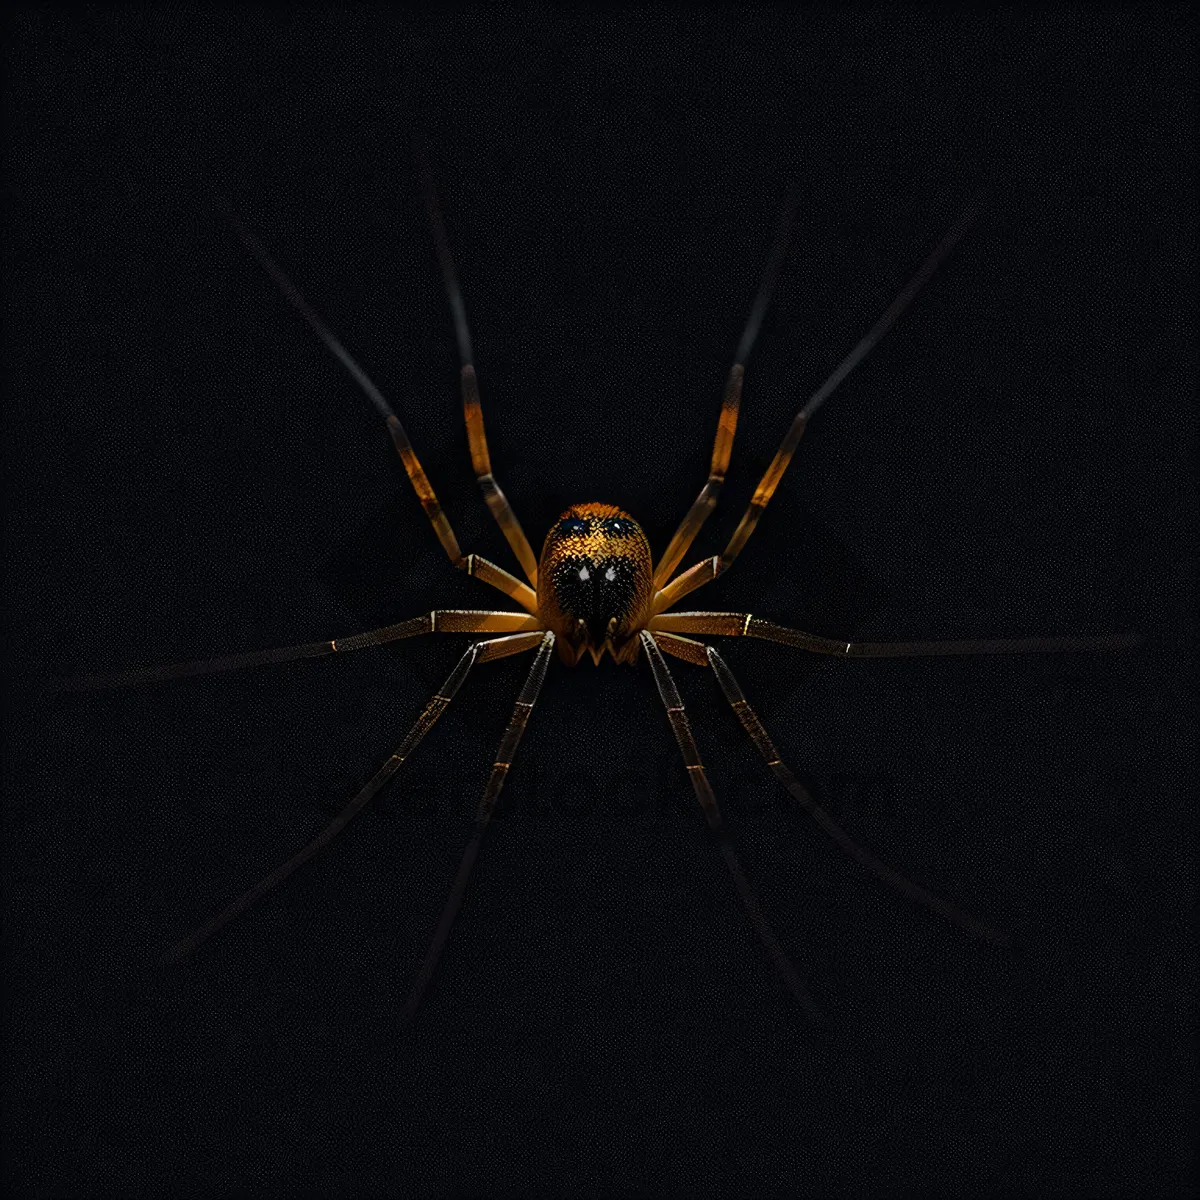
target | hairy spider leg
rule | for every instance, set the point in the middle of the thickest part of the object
(708, 569)
(504, 758)
(681, 727)
(485, 651)
(731, 624)
(706, 501)
(473, 564)
(444, 620)
(696, 652)
(481, 461)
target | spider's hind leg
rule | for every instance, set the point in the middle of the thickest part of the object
(682, 729)
(484, 651)
(504, 758)
(698, 653)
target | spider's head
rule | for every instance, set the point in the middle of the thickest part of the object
(595, 580)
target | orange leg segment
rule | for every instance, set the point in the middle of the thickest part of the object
(787, 448)
(481, 461)
(474, 564)
(704, 503)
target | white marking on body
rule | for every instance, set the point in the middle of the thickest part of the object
(583, 573)
(610, 574)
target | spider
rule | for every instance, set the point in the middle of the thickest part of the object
(596, 589)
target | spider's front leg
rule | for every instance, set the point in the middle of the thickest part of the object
(731, 400)
(473, 564)
(481, 461)
(708, 569)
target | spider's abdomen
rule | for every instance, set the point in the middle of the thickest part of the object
(595, 569)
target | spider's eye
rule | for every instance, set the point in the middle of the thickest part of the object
(572, 527)
(618, 527)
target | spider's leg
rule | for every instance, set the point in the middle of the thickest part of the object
(708, 802)
(745, 625)
(709, 569)
(765, 747)
(481, 461)
(498, 577)
(697, 652)
(706, 501)
(504, 758)
(516, 643)
(446, 620)
(408, 456)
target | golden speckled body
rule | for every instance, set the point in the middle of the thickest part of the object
(595, 582)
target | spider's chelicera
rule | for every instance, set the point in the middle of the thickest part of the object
(596, 589)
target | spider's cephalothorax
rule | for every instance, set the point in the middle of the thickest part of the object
(595, 582)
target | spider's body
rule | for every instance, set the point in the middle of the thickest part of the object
(596, 589)
(595, 583)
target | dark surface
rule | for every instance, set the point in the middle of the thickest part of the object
(189, 473)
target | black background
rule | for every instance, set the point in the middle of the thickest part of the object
(190, 473)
